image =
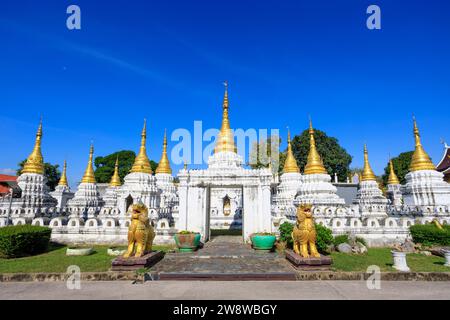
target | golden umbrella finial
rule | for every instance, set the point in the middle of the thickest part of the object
(63, 179)
(164, 164)
(290, 164)
(314, 164)
(420, 159)
(393, 179)
(225, 139)
(115, 179)
(35, 161)
(142, 163)
(89, 176)
(367, 173)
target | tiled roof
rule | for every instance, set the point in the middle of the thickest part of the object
(5, 177)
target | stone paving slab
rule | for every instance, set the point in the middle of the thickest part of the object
(225, 257)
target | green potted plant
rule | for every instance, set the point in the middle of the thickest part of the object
(187, 241)
(263, 241)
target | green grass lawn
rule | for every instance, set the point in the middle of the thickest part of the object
(382, 257)
(55, 260)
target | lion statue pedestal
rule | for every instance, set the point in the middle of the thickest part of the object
(305, 254)
(139, 253)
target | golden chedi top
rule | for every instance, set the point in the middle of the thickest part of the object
(164, 164)
(290, 164)
(35, 161)
(115, 179)
(89, 176)
(142, 163)
(367, 173)
(63, 179)
(420, 159)
(225, 139)
(314, 164)
(393, 179)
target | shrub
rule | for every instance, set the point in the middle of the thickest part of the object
(285, 233)
(324, 236)
(340, 239)
(23, 240)
(429, 234)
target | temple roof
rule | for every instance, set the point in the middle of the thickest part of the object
(444, 164)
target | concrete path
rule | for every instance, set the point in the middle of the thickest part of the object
(227, 290)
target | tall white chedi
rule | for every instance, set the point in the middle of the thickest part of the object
(140, 184)
(393, 187)
(424, 185)
(62, 191)
(316, 187)
(32, 182)
(290, 180)
(87, 199)
(370, 198)
(164, 179)
(111, 195)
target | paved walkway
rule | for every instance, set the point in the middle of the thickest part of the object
(225, 255)
(235, 290)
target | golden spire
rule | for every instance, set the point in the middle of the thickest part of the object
(115, 179)
(314, 164)
(225, 139)
(393, 179)
(420, 159)
(89, 176)
(35, 161)
(367, 173)
(290, 164)
(164, 164)
(63, 179)
(141, 163)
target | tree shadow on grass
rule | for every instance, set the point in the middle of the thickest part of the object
(53, 246)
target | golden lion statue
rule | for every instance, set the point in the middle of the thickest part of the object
(140, 232)
(304, 233)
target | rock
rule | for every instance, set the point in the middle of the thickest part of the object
(426, 253)
(408, 246)
(361, 248)
(345, 248)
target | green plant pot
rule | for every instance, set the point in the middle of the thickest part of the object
(187, 242)
(263, 242)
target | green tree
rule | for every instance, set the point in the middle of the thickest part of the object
(335, 158)
(104, 166)
(401, 166)
(262, 151)
(51, 172)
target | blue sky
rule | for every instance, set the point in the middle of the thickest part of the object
(166, 60)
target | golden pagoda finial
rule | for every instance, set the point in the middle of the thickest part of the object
(225, 139)
(367, 173)
(393, 179)
(290, 164)
(63, 179)
(115, 179)
(89, 176)
(164, 164)
(420, 159)
(142, 163)
(314, 164)
(35, 161)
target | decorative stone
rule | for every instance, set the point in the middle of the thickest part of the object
(400, 261)
(447, 258)
(360, 248)
(116, 251)
(311, 263)
(79, 251)
(344, 248)
(135, 263)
